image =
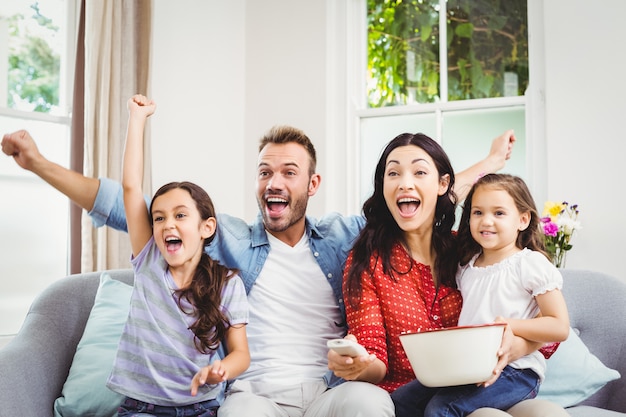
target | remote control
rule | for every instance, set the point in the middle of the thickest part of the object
(346, 347)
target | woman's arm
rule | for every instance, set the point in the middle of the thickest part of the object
(368, 313)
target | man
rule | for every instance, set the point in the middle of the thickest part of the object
(291, 265)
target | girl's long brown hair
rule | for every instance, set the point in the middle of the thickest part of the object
(205, 290)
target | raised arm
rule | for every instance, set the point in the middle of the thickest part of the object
(500, 152)
(80, 189)
(137, 216)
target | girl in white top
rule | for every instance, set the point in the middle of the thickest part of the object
(505, 276)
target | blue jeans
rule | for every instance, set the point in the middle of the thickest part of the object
(133, 408)
(513, 385)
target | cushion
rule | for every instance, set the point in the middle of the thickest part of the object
(574, 373)
(85, 392)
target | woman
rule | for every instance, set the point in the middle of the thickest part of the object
(400, 275)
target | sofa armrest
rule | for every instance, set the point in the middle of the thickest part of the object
(33, 368)
(35, 364)
(596, 307)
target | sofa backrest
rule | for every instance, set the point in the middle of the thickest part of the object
(597, 309)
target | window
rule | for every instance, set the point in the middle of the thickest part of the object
(416, 54)
(36, 63)
(459, 77)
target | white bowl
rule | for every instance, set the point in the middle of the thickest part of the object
(454, 355)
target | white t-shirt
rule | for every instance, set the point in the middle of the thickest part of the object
(293, 312)
(508, 289)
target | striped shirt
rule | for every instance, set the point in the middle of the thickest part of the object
(156, 357)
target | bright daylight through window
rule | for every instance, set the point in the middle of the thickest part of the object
(477, 49)
(456, 70)
(35, 38)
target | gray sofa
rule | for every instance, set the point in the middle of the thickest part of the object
(35, 364)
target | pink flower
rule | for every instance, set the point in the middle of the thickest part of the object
(549, 228)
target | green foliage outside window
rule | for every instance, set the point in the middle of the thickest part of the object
(487, 50)
(34, 67)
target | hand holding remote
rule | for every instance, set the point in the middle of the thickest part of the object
(346, 347)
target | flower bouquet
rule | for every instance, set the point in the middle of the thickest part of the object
(558, 224)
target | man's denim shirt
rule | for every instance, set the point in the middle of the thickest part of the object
(245, 247)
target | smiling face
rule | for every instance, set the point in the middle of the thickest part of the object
(284, 186)
(495, 222)
(411, 186)
(178, 229)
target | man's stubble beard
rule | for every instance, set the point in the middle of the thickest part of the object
(297, 211)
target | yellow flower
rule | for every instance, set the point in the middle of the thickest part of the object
(552, 209)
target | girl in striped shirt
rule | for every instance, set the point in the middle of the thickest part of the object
(186, 308)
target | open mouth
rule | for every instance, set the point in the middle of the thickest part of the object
(276, 205)
(172, 244)
(408, 206)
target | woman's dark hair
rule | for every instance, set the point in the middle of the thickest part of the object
(530, 238)
(205, 290)
(381, 232)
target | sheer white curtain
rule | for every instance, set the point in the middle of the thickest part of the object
(117, 50)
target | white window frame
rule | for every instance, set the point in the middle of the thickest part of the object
(347, 48)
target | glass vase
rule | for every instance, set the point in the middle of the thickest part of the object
(559, 258)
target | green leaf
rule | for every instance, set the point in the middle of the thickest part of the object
(464, 30)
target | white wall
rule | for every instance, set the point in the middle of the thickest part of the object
(585, 112)
(225, 76)
(285, 79)
(198, 82)
(224, 72)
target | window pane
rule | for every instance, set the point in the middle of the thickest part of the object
(31, 49)
(403, 52)
(487, 49)
(35, 217)
(467, 136)
(486, 44)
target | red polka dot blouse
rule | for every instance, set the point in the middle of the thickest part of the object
(390, 306)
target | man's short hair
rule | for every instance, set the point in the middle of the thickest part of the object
(287, 134)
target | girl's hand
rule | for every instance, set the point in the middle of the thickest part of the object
(512, 348)
(211, 374)
(140, 106)
(504, 353)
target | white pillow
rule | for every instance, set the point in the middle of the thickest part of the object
(574, 373)
(85, 392)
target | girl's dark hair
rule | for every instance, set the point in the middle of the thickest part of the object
(205, 290)
(530, 238)
(381, 232)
